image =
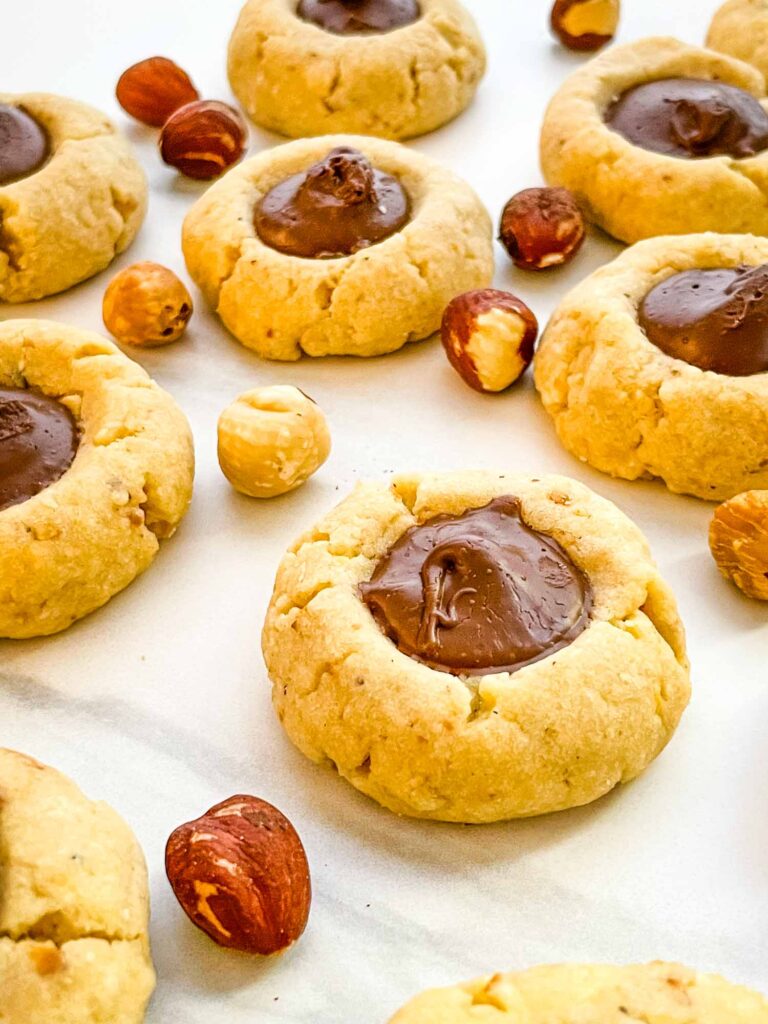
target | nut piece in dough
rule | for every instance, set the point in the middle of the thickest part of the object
(271, 440)
(574, 993)
(74, 943)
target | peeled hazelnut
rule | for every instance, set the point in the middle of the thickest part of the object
(488, 336)
(542, 228)
(154, 89)
(738, 539)
(585, 24)
(271, 440)
(241, 875)
(146, 305)
(203, 139)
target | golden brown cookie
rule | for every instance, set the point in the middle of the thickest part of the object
(298, 78)
(575, 993)
(594, 693)
(74, 914)
(72, 198)
(97, 466)
(631, 409)
(740, 29)
(633, 192)
(366, 303)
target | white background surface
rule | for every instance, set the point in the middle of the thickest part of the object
(159, 703)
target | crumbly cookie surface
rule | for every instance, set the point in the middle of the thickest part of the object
(74, 913)
(69, 219)
(556, 734)
(367, 304)
(740, 29)
(633, 193)
(628, 409)
(74, 545)
(580, 993)
(297, 79)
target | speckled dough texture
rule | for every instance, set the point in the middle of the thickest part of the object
(740, 29)
(656, 993)
(629, 191)
(367, 304)
(629, 409)
(74, 545)
(68, 220)
(556, 734)
(297, 79)
(74, 913)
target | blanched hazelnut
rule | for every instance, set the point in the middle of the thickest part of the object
(147, 305)
(542, 228)
(488, 336)
(271, 440)
(738, 539)
(585, 24)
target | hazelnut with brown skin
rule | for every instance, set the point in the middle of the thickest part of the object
(489, 337)
(585, 25)
(146, 305)
(542, 228)
(154, 89)
(203, 139)
(738, 539)
(241, 875)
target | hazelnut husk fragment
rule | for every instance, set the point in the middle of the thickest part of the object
(542, 228)
(489, 337)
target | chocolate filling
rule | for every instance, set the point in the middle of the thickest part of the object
(23, 144)
(359, 17)
(38, 441)
(478, 593)
(690, 117)
(714, 319)
(340, 205)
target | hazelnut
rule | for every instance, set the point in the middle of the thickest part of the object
(271, 440)
(154, 89)
(241, 875)
(738, 539)
(488, 336)
(585, 24)
(542, 228)
(203, 139)
(146, 305)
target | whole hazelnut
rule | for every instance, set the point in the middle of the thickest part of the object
(203, 139)
(271, 440)
(146, 305)
(154, 89)
(489, 336)
(738, 539)
(241, 875)
(585, 24)
(542, 228)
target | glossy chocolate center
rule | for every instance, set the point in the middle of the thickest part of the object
(478, 593)
(690, 117)
(23, 144)
(714, 319)
(359, 17)
(336, 208)
(38, 441)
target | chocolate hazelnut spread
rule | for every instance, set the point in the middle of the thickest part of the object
(38, 442)
(340, 205)
(714, 319)
(359, 17)
(23, 144)
(689, 118)
(478, 593)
